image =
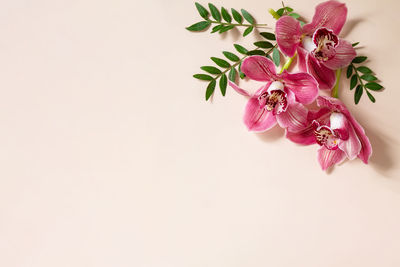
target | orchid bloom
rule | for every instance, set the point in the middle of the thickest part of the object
(337, 133)
(280, 100)
(319, 48)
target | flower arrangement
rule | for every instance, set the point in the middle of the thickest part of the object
(285, 97)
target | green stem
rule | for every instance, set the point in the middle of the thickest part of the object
(358, 76)
(273, 13)
(335, 90)
(288, 63)
(237, 24)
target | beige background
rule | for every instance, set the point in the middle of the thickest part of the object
(110, 156)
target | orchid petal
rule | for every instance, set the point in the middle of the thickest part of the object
(294, 118)
(328, 158)
(238, 89)
(345, 53)
(325, 77)
(259, 68)
(330, 14)
(306, 136)
(256, 118)
(337, 105)
(301, 59)
(288, 34)
(366, 148)
(303, 85)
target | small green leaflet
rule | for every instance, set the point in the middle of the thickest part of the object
(232, 74)
(211, 69)
(202, 11)
(223, 83)
(199, 26)
(276, 57)
(240, 49)
(358, 94)
(359, 59)
(247, 31)
(231, 56)
(221, 62)
(268, 35)
(247, 16)
(214, 12)
(203, 77)
(236, 16)
(225, 15)
(210, 89)
(263, 44)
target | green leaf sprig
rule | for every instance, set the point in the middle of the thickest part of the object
(223, 20)
(362, 78)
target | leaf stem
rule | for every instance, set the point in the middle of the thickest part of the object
(358, 76)
(335, 90)
(238, 24)
(288, 63)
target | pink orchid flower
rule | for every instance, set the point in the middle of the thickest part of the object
(280, 100)
(339, 135)
(320, 50)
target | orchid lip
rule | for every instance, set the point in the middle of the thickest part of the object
(325, 41)
(325, 136)
(274, 101)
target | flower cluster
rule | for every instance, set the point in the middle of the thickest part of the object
(285, 97)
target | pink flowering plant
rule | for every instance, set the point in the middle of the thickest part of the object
(288, 98)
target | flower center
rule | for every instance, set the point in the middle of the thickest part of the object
(325, 136)
(274, 99)
(325, 41)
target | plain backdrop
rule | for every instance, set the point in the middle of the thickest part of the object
(109, 155)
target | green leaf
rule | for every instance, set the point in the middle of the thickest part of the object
(217, 28)
(294, 15)
(241, 74)
(214, 12)
(302, 23)
(349, 71)
(199, 26)
(247, 16)
(236, 15)
(231, 56)
(373, 86)
(204, 77)
(210, 89)
(240, 49)
(289, 9)
(268, 35)
(364, 70)
(280, 11)
(355, 44)
(353, 82)
(359, 59)
(226, 28)
(202, 11)
(221, 62)
(371, 97)
(225, 14)
(263, 44)
(256, 52)
(276, 57)
(211, 69)
(232, 74)
(368, 77)
(248, 31)
(223, 83)
(358, 94)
